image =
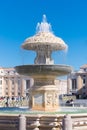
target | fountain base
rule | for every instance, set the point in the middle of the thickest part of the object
(44, 98)
(44, 94)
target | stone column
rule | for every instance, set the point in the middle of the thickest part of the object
(68, 85)
(67, 123)
(31, 82)
(79, 84)
(16, 87)
(22, 122)
(9, 87)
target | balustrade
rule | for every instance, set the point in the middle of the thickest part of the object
(43, 122)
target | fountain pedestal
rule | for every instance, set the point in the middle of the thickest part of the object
(44, 94)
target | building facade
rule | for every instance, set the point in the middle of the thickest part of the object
(62, 86)
(12, 84)
(77, 82)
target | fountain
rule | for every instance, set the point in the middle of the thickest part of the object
(44, 93)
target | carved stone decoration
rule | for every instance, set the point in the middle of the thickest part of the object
(55, 98)
(49, 98)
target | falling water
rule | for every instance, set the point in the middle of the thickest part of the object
(66, 49)
(44, 26)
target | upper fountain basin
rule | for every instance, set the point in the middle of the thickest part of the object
(43, 39)
(47, 70)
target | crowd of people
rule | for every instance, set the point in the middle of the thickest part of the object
(13, 101)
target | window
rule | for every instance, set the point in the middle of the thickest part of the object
(27, 84)
(0, 82)
(6, 82)
(6, 93)
(18, 93)
(12, 81)
(12, 93)
(18, 82)
(84, 87)
(83, 81)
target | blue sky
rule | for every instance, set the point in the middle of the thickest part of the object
(18, 20)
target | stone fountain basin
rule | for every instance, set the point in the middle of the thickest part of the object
(45, 70)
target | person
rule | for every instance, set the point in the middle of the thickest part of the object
(68, 103)
(71, 102)
(6, 104)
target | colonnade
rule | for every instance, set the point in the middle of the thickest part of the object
(14, 86)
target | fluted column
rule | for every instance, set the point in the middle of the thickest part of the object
(79, 83)
(68, 85)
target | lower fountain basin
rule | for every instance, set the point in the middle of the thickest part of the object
(47, 70)
(63, 110)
